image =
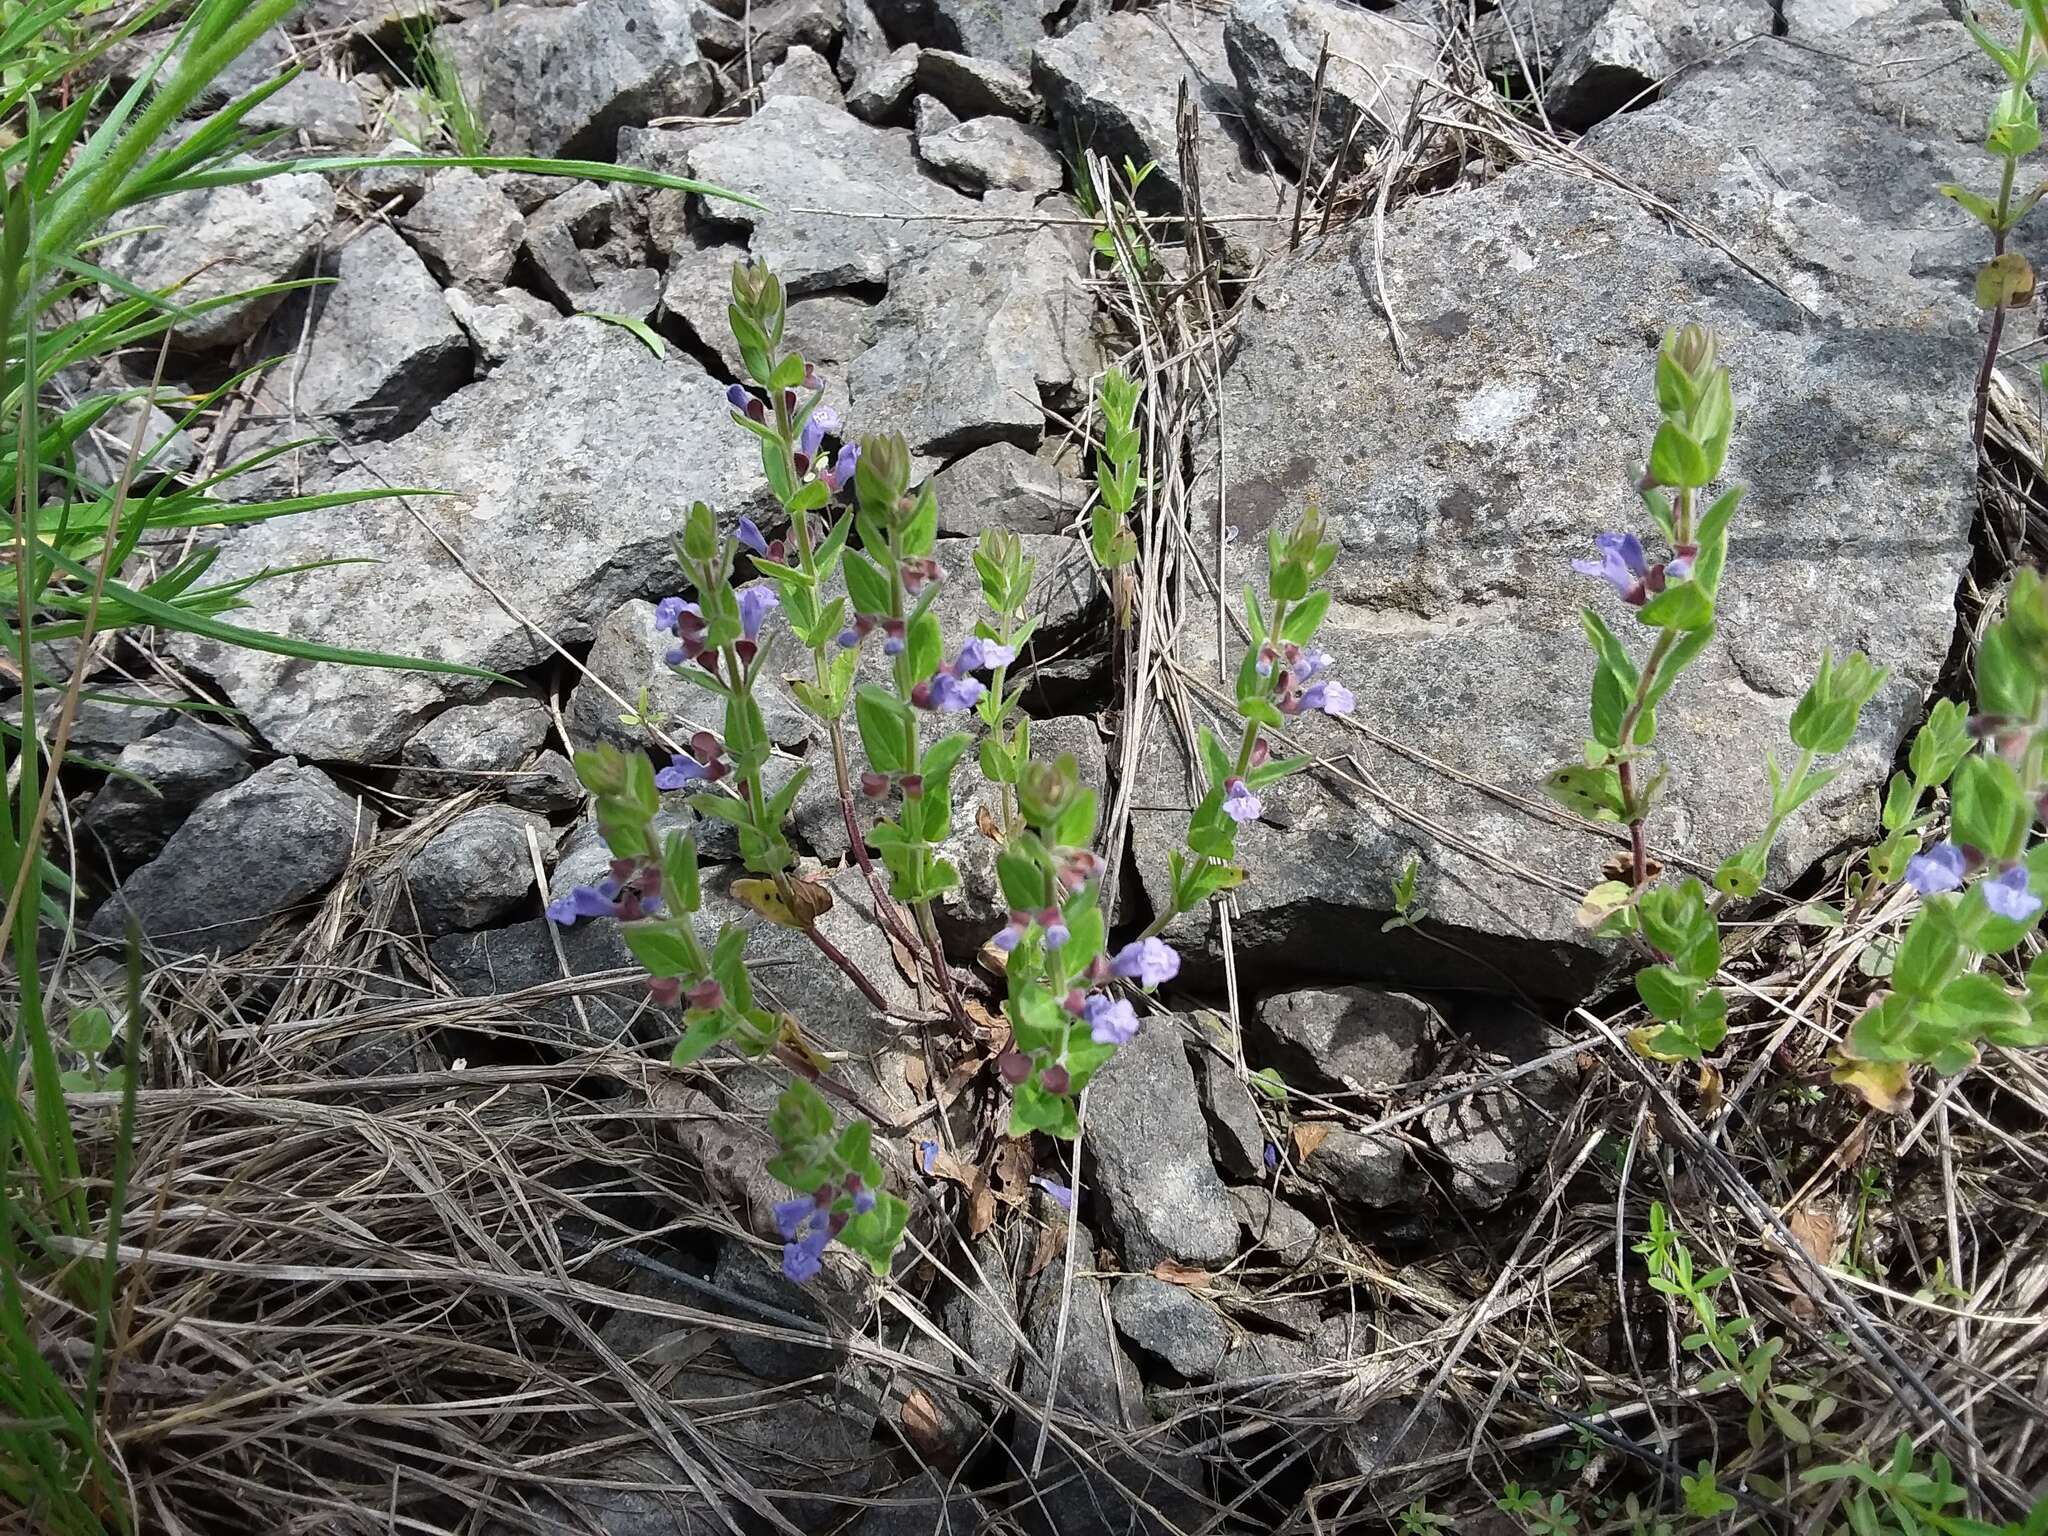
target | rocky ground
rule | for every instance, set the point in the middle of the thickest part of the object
(1450, 353)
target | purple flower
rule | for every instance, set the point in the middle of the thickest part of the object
(670, 610)
(756, 603)
(928, 1156)
(1621, 565)
(750, 535)
(1056, 934)
(737, 397)
(863, 1201)
(1061, 1195)
(682, 771)
(1940, 868)
(955, 693)
(792, 1217)
(806, 1256)
(1678, 567)
(1007, 936)
(1272, 1157)
(1239, 803)
(1111, 1020)
(1330, 696)
(812, 435)
(893, 646)
(840, 475)
(600, 900)
(848, 637)
(1311, 663)
(1146, 961)
(2008, 896)
(979, 655)
(826, 418)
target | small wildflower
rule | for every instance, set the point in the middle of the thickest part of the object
(1940, 868)
(1272, 1157)
(952, 694)
(1060, 1194)
(756, 603)
(1055, 1079)
(840, 475)
(1008, 936)
(2008, 896)
(1622, 565)
(610, 897)
(848, 638)
(863, 1201)
(1111, 1020)
(874, 785)
(793, 1216)
(802, 1259)
(928, 1156)
(812, 436)
(680, 773)
(1146, 961)
(749, 534)
(1239, 803)
(1056, 934)
(1329, 696)
(979, 655)
(1014, 1067)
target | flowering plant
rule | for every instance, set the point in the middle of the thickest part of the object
(859, 559)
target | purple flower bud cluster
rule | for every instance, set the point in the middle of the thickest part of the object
(810, 1222)
(1945, 866)
(1298, 683)
(703, 762)
(1622, 564)
(685, 621)
(630, 890)
(823, 422)
(952, 689)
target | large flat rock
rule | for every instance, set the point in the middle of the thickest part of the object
(1461, 487)
(567, 469)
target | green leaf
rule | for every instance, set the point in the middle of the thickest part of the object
(1594, 793)
(1991, 812)
(1664, 992)
(1676, 919)
(1980, 208)
(639, 328)
(1943, 742)
(866, 586)
(1269, 1082)
(1305, 618)
(1825, 718)
(660, 949)
(1684, 605)
(1973, 1005)
(2006, 281)
(1742, 873)
(1930, 954)
(884, 722)
(1676, 459)
(923, 647)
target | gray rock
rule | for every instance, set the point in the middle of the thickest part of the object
(629, 656)
(1160, 1194)
(799, 153)
(973, 334)
(1261, 1357)
(1170, 1324)
(179, 767)
(564, 80)
(972, 87)
(1114, 85)
(475, 870)
(1002, 30)
(781, 25)
(970, 913)
(1101, 1401)
(548, 785)
(1378, 67)
(944, 1421)
(226, 240)
(1816, 19)
(1005, 486)
(556, 233)
(1527, 36)
(803, 72)
(806, 1449)
(1634, 45)
(751, 1276)
(247, 854)
(102, 727)
(595, 477)
(313, 110)
(1850, 223)
(633, 294)
(931, 117)
(1331, 1037)
(925, 1506)
(459, 747)
(883, 85)
(828, 331)
(993, 154)
(468, 231)
(863, 43)
(498, 961)
(981, 1317)
(1455, 601)
(1495, 1139)
(1234, 1123)
(1274, 1225)
(384, 347)
(499, 323)
(395, 187)
(1370, 1171)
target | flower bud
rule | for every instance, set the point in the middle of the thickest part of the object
(1014, 1067)
(1054, 1079)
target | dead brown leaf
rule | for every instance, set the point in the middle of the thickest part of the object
(1014, 1165)
(1179, 1274)
(985, 824)
(1307, 1137)
(916, 1078)
(922, 1427)
(1814, 1225)
(1052, 1242)
(981, 1205)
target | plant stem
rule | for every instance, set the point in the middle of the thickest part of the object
(1997, 332)
(1639, 859)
